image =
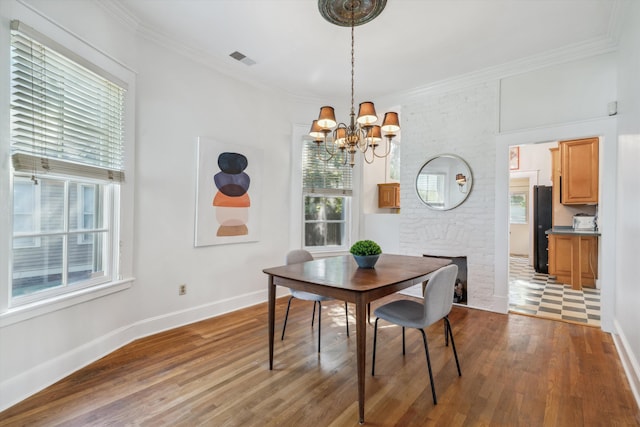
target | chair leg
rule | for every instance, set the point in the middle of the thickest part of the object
(403, 352)
(319, 323)
(446, 334)
(286, 316)
(426, 350)
(375, 339)
(313, 315)
(453, 344)
(346, 315)
(369, 313)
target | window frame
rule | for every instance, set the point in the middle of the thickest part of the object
(67, 233)
(346, 206)
(82, 238)
(36, 194)
(123, 194)
(525, 196)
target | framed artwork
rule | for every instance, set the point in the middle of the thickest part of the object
(228, 193)
(514, 158)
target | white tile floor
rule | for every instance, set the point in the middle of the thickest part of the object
(540, 295)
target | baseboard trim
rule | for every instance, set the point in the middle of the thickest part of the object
(25, 384)
(629, 362)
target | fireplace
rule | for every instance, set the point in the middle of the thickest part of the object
(460, 293)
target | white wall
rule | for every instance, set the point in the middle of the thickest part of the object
(627, 314)
(461, 122)
(562, 93)
(177, 101)
(536, 158)
(39, 345)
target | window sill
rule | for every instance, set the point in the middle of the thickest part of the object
(39, 308)
(327, 254)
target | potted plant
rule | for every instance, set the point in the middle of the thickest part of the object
(366, 253)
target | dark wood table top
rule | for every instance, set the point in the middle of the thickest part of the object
(343, 272)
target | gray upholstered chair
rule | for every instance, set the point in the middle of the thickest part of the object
(297, 256)
(438, 299)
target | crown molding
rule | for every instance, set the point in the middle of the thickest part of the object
(597, 46)
(570, 53)
(116, 9)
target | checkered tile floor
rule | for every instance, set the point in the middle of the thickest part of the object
(538, 294)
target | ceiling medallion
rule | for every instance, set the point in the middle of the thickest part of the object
(339, 12)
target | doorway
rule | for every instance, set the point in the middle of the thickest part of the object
(531, 290)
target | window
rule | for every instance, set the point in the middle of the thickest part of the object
(26, 202)
(518, 207)
(86, 210)
(327, 200)
(394, 161)
(67, 127)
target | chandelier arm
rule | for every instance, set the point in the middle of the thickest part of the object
(331, 153)
(387, 150)
(324, 159)
(364, 156)
(362, 144)
(347, 156)
(330, 156)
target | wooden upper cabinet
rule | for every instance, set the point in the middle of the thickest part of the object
(389, 195)
(579, 171)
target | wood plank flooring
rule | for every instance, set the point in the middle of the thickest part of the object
(516, 371)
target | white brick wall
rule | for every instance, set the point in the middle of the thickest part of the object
(461, 122)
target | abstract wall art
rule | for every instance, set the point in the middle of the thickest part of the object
(228, 193)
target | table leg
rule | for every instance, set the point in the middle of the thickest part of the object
(361, 351)
(272, 318)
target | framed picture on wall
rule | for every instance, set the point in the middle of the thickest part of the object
(228, 193)
(514, 158)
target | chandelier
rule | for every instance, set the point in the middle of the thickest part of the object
(361, 133)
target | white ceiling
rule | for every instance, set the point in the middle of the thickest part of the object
(412, 44)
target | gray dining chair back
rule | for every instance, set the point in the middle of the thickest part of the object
(438, 295)
(436, 304)
(297, 256)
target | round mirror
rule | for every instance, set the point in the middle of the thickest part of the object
(444, 182)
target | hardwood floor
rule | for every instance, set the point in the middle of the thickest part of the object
(516, 370)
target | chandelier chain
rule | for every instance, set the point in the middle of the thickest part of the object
(353, 62)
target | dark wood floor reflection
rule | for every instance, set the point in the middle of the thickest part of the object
(516, 370)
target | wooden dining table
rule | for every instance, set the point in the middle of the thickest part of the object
(340, 278)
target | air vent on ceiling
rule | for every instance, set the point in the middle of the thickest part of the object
(242, 58)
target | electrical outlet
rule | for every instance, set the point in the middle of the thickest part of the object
(182, 289)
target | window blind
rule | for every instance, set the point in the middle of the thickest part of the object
(65, 118)
(320, 177)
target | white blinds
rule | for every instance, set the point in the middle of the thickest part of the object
(65, 118)
(320, 177)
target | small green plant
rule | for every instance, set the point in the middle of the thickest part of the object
(365, 247)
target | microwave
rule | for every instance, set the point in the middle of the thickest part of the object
(584, 222)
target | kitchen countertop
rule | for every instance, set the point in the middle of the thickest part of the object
(567, 229)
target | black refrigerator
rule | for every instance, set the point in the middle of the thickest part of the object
(542, 207)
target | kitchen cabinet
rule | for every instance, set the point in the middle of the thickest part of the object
(573, 258)
(389, 195)
(579, 171)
